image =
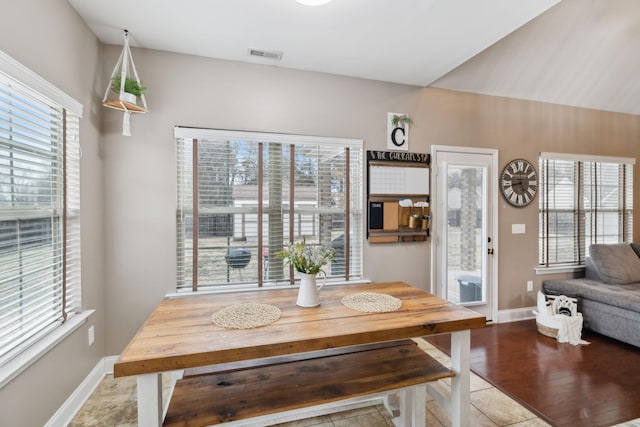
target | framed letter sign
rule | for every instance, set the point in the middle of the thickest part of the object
(397, 132)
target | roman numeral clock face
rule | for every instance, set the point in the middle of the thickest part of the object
(519, 183)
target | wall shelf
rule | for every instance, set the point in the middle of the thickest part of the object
(393, 177)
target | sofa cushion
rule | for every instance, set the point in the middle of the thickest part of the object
(617, 264)
(626, 297)
(590, 270)
(636, 248)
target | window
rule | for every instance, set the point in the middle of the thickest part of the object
(39, 212)
(242, 196)
(583, 200)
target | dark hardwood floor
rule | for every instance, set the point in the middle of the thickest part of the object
(565, 385)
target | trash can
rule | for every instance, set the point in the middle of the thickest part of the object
(470, 288)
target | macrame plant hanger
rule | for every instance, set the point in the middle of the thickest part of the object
(124, 102)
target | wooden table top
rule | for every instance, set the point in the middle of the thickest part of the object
(179, 334)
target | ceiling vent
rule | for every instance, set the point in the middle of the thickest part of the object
(266, 54)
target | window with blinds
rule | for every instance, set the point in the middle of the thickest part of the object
(243, 196)
(39, 216)
(583, 200)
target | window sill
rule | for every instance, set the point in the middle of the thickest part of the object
(253, 287)
(540, 271)
(20, 363)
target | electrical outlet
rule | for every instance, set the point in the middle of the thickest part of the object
(91, 334)
(529, 285)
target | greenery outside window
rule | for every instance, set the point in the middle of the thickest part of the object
(243, 196)
(583, 200)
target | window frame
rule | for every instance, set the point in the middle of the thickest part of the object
(582, 214)
(353, 200)
(22, 353)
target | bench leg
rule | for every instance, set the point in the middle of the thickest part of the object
(460, 398)
(419, 414)
(406, 407)
(149, 400)
(412, 407)
(390, 402)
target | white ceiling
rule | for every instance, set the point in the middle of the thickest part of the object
(402, 41)
(583, 53)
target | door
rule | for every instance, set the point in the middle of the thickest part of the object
(464, 207)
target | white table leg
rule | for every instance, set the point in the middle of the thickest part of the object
(149, 400)
(460, 395)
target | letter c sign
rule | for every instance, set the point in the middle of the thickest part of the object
(398, 133)
(397, 137)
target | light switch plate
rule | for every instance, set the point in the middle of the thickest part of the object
(518, 228)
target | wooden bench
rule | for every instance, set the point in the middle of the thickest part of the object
(282, 388)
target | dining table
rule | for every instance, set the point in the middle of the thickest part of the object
(179, 334)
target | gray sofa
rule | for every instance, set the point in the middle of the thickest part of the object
(609, 294)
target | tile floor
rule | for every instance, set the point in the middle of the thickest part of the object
(113, 403)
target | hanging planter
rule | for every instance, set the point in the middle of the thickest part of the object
(132, 89)
(125, 83)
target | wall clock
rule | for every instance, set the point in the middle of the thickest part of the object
(519, 183)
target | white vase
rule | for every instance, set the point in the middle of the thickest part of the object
(128, 97)
(309, 291)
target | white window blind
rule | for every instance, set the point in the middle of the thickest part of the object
(39, 216)
(583, 200)
(248, 194)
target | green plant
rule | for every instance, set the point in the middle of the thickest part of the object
(402, 119)
(307, 259)
(130, 85)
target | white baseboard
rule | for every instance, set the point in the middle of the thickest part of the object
(506, 316)
(72, 405)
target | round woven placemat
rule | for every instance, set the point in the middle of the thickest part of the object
(370, 302)
(246, 316)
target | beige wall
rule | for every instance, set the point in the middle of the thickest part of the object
(522, 129)
(140, 188)
(49, 37)
(194, 91)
